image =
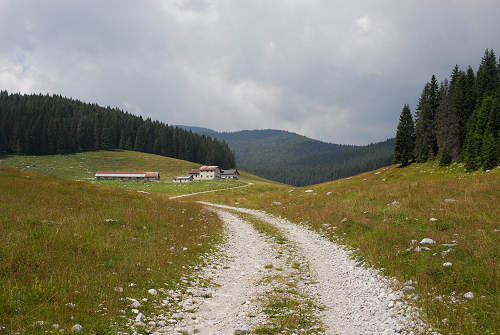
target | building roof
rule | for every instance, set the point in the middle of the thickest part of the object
(194, 171)
(230, 172)
(208, 168)
(127, 174)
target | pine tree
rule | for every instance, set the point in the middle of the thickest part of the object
(405, 138)
(425, 139)
(482, 140)
(487, 82)
(447, 131)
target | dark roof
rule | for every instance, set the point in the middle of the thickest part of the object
(231, 171)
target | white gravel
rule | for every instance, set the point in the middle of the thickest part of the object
(358, 300)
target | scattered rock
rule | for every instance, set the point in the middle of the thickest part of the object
(446, 252)
(110, 220)
(131, 285)
(241, 331)
(308, 191)
(77, 328)
(277, 203)
(139, 318)
(344, 220)
(394, 203)
(450, 200)
(433, 219)
(38, 323)
(446, 264)
(427, 241)
(55, 326)
(144, 192)
(328, 193)
(469, 295)
(118, 289)
(152, 291)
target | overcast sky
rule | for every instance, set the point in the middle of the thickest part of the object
(338, 71)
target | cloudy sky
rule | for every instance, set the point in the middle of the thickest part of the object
(338, 71)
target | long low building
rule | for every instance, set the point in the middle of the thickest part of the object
(101, 175)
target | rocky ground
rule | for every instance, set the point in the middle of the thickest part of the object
(234, 293)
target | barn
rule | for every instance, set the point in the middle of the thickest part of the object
(182, 179)
(229, 174)
(138, 176)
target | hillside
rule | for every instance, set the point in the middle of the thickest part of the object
(385, 215)
(71, 252)
(82, 166)
(298, 160)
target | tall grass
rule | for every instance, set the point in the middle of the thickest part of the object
(68, 249)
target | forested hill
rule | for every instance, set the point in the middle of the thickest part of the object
(43, 124)
(298, 160)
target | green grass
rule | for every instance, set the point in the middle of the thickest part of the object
(57, 248)
(82, 166)
(174, 188)
(382, 233)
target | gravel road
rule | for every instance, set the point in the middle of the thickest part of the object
(358, 300)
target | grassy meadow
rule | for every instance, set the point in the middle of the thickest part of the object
(384, 214)
(82, 166)
(69, 251)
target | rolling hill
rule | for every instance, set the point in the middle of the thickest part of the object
(298, 160)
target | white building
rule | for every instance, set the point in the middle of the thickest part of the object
(206, 173)
(229, 174)
(182, 179)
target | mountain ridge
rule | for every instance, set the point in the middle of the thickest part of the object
(296, 159)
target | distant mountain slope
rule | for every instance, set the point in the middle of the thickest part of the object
(298, 160)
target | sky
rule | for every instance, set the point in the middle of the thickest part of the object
(337, 71)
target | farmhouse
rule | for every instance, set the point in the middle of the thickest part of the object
(146, 176)
(206, 173)
(229, 174)
(182, 179)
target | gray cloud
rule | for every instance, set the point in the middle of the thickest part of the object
(333, 70)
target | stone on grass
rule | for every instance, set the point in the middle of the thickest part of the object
(241, 331)
(427, 241)
(446, 264)
(277, 203)
(344, 220)
(394, 203)
(469, 295)
(77, 328)
(328, 193)
(433, 219)
(139, 318)
(450, 200)
(308, 191)
(152, 291)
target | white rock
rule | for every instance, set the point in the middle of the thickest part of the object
(152, 291)
(118, 289)
(433, 219)
(135, 304)
(277, 203)
(344, 220)
(77, 328)
(139, 318)
(447, 264)
(394, 203)
(427, 241)
(450, 200)
(131, 285)
(135, 311)
(241, 331)
(328, 193)
(55, 326)
(446, 252)
(308, 191)
(469, 295)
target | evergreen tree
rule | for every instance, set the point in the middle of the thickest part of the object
(487, 82)
(447, 131)
(425, 133)
(405, 138)
(482, 142)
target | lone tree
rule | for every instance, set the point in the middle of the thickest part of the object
(405, 138)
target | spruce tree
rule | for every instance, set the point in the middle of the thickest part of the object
(487, 82)
(447, 130)
(405, 138)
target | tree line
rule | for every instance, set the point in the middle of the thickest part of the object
(455, 121)
(42, 124)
